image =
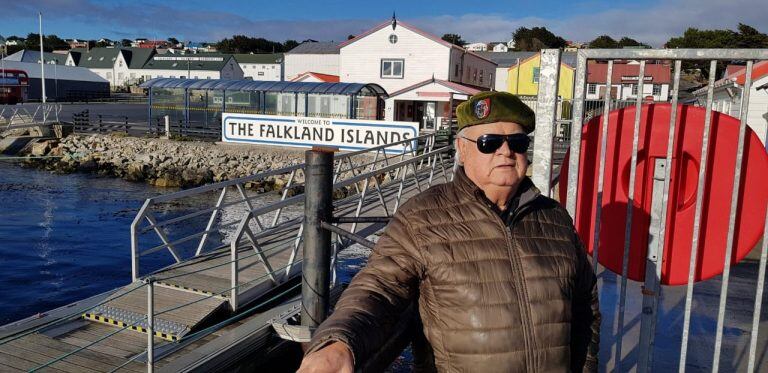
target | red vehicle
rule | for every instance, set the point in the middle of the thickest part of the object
(13, 86)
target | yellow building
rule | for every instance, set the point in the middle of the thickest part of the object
(523, 78)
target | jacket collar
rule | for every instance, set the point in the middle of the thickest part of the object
(526, 191)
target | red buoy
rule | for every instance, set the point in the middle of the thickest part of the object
(686, 161)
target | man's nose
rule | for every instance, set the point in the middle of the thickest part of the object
(504, 149)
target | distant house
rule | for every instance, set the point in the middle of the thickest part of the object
(423, 73)
(476, 47)
(523, 77)
(319, 57)
(314, 77)
(119, 66)
(504, 60)
(729, 90)
(75, 43)
(624, 79)
(498, 47)
(264, 66)
(34, 57)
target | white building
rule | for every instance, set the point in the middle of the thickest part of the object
(476, 47)
(131, 66)
(656, 81)
(318, 57)
(498, 47)
(422, 73)
(261, 66)
(729, 91)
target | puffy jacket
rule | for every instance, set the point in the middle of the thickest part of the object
(494, 296)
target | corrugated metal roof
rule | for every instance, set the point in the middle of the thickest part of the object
(266, 86)
(316, 47)
(193, 62)
(34, 57)
(59, 72)
(506, 59)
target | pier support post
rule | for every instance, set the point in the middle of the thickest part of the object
(150, 283)
(317, 241)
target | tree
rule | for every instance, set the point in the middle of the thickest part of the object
(103, 43)
(350, 37)
(126, 42)
(289, 44)
(173, 41)
(745, 37)
(603, 41)
(629, 42)
(535, 39)
(245, 44)
(454, 39)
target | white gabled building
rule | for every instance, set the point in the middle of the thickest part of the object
(426, 73)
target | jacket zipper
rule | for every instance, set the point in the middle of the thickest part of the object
(522, 292)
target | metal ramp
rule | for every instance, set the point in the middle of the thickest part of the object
(177, 311)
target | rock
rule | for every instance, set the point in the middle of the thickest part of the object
(136, 171)
(165, 182)
(41, 148)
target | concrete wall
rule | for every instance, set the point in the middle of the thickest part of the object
(296, 64)
(423, 58)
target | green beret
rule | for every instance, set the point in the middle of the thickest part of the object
(489, 107)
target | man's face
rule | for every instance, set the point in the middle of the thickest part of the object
(502, 168)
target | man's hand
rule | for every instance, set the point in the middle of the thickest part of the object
(336, 357)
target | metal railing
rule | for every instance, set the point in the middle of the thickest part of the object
(18, 116)
(240, 217)
(547, 119)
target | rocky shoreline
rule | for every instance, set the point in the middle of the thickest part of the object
(160, 162)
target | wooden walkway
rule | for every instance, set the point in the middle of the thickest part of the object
(189, 296)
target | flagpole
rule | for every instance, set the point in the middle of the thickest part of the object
(42, 66)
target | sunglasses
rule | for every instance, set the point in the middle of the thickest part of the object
(487, 144)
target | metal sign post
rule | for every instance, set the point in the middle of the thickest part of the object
(318, 207)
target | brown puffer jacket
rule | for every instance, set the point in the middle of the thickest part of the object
(494, 296)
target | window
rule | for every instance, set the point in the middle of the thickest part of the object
(261, 73)
(481, 76)
(474, 75)
(109, 76)
(536, 71)
(634, 89)
(456, 70)
(393, 38)
(656, 89)
(592, 89)
(392, 69)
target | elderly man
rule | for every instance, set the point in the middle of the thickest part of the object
(502, 281)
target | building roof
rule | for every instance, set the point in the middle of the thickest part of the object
(315, 47)
(57, 72)
(735, 74)
(624, 73)
(415, 29)
(263, 58)
(321, 77)
(137, 57)
(97, 58)
(26, 55)
(506, 59)
(266, 86)
(454, 86)
(192, 62)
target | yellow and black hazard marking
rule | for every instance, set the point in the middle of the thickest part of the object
(194, 290)
(110, 321)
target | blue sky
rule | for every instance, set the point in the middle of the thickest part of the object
(650, 21)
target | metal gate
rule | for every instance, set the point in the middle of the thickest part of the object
(709, 325)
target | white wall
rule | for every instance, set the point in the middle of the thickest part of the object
(296, 64)
(261, 71)
(159, 73)
(501, 79)
(423, 58)
(757, 116)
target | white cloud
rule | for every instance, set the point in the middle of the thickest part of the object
(653, 24)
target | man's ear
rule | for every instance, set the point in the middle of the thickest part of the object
(459, 145)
